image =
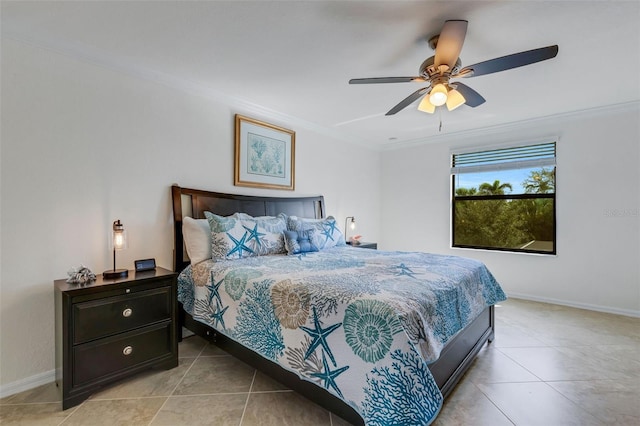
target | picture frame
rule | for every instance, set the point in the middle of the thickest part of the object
(264, 155)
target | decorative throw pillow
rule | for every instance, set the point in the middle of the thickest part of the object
(327, 232)
(234, 238)
(197, 239)
(297, 242)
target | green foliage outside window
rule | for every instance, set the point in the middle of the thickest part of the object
(491, 216)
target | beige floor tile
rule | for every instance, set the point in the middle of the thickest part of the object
(218, 374)
(44, 393)
(33, 414)
(552, 364)
(206, 410)
(191, 346)
(468, 405)
(580, 335)
(610, 362)
(536, 404)
(131, 412)
(492, 366)
(589, 361)
(515, 336)
(283, 409)
(477, 410)
(212, 350)
(612, 401)
(263, 383)
(148, 383)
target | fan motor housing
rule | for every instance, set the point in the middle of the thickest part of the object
(429, 70)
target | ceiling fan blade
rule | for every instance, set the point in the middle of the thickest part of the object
(471, 97)
(408, 100)
(385, 80)
(450, 43)
(510, 61)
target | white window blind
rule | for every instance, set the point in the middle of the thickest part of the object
(529, 156)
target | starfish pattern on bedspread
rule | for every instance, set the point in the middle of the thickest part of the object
(329, 376)
(217, 316)
(214, 291)
(404, 270)
(319, 336)
(393, 313)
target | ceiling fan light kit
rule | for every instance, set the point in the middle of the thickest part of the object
(439, 69)
(426, 106)
(438, 95)
(454, 99)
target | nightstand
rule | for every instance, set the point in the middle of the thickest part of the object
(107, 330)
(366, 245)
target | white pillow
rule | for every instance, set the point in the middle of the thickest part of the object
(197, 239)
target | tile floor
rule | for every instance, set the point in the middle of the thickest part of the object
(549, 365)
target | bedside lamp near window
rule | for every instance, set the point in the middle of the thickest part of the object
(119, 238)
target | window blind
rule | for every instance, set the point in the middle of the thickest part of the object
(520, 157)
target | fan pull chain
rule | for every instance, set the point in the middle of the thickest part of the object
(440, 116)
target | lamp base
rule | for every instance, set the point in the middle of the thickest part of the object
(112, 274)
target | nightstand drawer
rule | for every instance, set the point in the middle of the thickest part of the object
(115, 354)
(112, 315)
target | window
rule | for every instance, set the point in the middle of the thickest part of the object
(505, 199)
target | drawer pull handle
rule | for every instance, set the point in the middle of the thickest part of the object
(127, 312)
(127, 350)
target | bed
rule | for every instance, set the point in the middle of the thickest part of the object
(341, 326)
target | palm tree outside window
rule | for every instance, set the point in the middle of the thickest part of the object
(504, 199)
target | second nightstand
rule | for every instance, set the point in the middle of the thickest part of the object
(373, 246)
(110, 329)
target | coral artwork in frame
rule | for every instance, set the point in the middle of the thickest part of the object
(264, 155)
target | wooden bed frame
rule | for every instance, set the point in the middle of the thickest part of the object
(455, 358)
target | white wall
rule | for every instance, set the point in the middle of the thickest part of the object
(84, 145)
(597, 265)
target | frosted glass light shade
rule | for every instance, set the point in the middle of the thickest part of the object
(426, 106)
(454, 99)
(438, 95)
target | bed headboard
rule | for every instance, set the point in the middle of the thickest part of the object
(194, 202)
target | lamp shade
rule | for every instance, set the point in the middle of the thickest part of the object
(426, 106)
(349, 225)
(438, 95)
(118, 242)
(119, 236)
(454, 99)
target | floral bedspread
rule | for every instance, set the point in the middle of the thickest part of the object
(363, 324)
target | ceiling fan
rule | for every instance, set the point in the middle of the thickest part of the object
(438, 71)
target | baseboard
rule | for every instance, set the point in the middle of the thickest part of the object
(590, 307)
(27, 383)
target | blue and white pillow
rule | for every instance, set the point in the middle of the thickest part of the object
(327, 232)
(239, 236)
(297, 242)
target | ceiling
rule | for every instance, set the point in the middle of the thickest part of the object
(292, 60)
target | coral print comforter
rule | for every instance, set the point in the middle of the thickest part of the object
(363, 324)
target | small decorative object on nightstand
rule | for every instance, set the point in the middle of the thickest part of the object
(110, 329)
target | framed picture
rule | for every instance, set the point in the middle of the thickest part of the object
(264, 154)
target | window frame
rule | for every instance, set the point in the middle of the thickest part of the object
(525, 196)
